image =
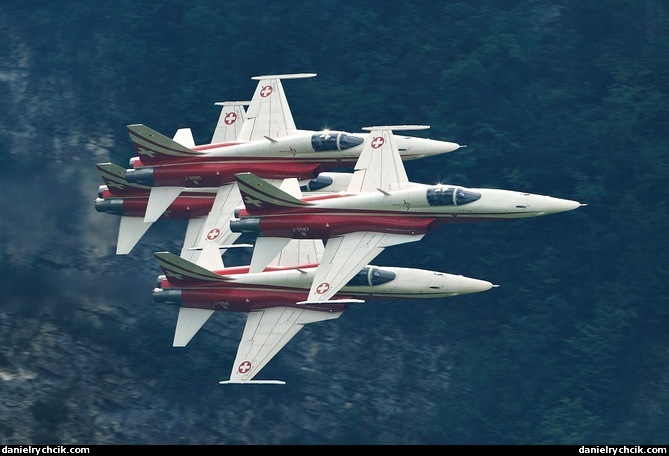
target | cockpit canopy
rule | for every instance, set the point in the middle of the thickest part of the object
(317, 183)
(444, 195)
(370, 276)
(325, 141)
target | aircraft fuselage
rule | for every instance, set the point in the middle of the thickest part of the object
(244, 292)
(302, 155)
(189, 204)
(417, 209)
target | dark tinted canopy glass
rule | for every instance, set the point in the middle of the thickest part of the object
(334, 140)
(451, 196)
(371, 275)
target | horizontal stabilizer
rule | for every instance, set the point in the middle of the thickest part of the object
(189, 323)
(265, 250)
(210, 258)
(160, 199)
(130, 231)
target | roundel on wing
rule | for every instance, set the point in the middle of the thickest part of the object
(213, 234)
(230, 118)
(244, 367)
(377, 142)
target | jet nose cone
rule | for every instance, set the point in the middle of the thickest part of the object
(555, 205)
(468, 285)
(434, 147)
(412, 148)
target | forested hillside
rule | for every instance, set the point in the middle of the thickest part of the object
(563, 98)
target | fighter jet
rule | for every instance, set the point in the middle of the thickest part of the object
(207, 210)
(268, 145)
(380, 208)
(274, 299)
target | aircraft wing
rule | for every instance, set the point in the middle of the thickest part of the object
(216, 228)
(346, 255)
(207, 254)
(278, 251)
(300, 251)
(230, 121)
(283, 251)
(266, 332)
(380, 166)
(268, 114)
(193, 233)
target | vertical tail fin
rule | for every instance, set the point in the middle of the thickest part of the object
(153, 147)
(261, 196)
(181, 272)
(114, 177)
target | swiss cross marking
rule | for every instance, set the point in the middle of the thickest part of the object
(250, 200)
(377, 142)
(322, 288)
(230, 118)
(266, 91)
(147, 152)
(213, 234)
(244, 367)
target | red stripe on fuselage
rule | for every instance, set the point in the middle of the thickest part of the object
(307, 223)
(248, 297)
(214, 174)
(206, 147)
(245, 300)
(182, 208)
(326, 225)
(329, 162)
